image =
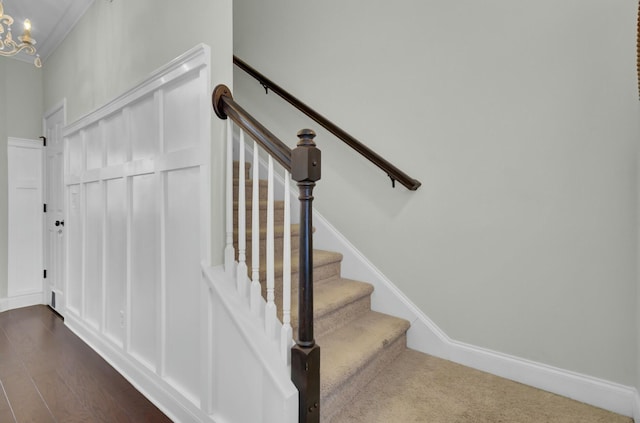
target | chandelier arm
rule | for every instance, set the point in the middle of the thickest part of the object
(6, 20)
(17, 48)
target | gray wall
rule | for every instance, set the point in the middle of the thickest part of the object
(117, 44)
(20, 117)
(521, 120)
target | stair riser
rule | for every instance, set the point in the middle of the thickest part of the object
(247, 167)
(320, 274)
(343, 395)
(278, 248)
(278, 216)
(330, 321)
(340, 317)
(248, 190)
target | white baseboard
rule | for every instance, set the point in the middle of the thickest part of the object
(587, 389)
(425, 336)
(20, 301)
(167, 398)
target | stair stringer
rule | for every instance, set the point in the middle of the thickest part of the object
(247, 378)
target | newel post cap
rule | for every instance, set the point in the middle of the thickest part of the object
(305, 158)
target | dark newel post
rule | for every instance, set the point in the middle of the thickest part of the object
(305, 355)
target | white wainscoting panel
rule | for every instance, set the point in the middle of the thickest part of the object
(92, 293)
(137, 190)
(145, 269)
(236, 336)
(75, 247)
(115, 275)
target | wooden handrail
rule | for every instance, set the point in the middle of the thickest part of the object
(224, 105)
(392, 171)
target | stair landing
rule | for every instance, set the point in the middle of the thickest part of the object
(420, 388)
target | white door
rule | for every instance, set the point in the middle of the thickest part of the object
(24, 159)
(54, 122)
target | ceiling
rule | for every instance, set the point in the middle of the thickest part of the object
(51, 21)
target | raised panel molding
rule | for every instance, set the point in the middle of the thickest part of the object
(137, 184)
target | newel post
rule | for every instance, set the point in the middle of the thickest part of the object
(305, 355)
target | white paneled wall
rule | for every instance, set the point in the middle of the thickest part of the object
(138, 230)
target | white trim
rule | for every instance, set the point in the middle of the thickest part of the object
(590, 390)
(20, 301)
(425, 336)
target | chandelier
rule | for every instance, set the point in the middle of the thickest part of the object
(8, 46)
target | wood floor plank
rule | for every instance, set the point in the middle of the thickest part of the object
(9, 359)
(25, 400)
(93, 394)
(6, 414)
(62, 402)
(140, 408)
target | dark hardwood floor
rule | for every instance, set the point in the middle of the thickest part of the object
(47, 374)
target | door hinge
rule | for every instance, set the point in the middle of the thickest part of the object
(45, 273)
(44, 141)
(45, 208)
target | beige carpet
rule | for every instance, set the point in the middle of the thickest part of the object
(421, 388)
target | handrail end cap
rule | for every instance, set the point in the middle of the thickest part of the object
(220, 91)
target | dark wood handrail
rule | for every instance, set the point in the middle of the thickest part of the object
(392, 171)
(224, 105)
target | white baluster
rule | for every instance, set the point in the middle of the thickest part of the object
(270, 312)
(241, 272)
(286, 339)
(229, 252)
(256, 292)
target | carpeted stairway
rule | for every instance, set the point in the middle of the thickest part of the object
(369, 375)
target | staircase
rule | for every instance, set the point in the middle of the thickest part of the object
(367, 374)
(356, 343)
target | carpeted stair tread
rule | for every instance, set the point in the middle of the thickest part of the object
(334, 304)
(346, 351)
(278, 204)
(261, 182)
(332, 295)
(417, 387)
(320, 258)
(278, 231)
(248, 187)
